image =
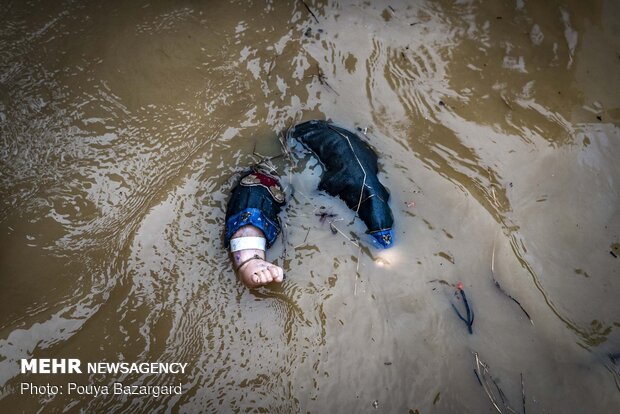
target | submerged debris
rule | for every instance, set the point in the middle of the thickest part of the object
(502, 289)
(513, 299)
(522, 393)
(469, 319)
(310, 10)
(497, 397)
(324, 215)
(320, 75)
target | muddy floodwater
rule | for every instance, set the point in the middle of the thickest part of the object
(497, 125)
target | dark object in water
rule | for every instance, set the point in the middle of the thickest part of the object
(614, 357)
(350, 172)
(469, 320)
(513, 299)
(613, 254)
(478, 377)
(497, 396)
(310, 11)
(256, 199)
(324, 215)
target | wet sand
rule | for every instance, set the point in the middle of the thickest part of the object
(497, 128)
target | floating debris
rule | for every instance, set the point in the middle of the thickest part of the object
(469, 319)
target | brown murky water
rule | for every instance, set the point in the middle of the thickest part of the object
(121, 125)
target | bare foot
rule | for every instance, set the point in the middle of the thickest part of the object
(252, 268)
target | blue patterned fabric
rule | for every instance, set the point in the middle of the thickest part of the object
(383, 238)
(255, 217)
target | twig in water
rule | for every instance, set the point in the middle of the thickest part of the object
(522, 393)
(493, 259)
(352, 241)
(265, 161)
(272, 64)
(485, 385)
(320, 75)
(284, 147)
(310, 11)
(357, 270)
(477, 377)
(482, 373)
(514, 300)
(502, 289)
(505, 100)
(469, 320)
(304, 242)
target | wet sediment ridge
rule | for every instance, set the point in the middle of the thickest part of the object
(496, 126)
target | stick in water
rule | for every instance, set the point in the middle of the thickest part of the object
(502, 289)
(310, 11)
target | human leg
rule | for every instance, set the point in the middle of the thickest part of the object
(252, 225)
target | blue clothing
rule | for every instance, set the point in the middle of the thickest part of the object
(257, 199)
(383, 238)
(256, 218)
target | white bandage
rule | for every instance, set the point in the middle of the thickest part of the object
(244, 243)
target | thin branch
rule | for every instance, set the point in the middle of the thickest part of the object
(485, 385)
(502, 289)
(310, 10)
(352, 241)
(483, 374)
(522, 393)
